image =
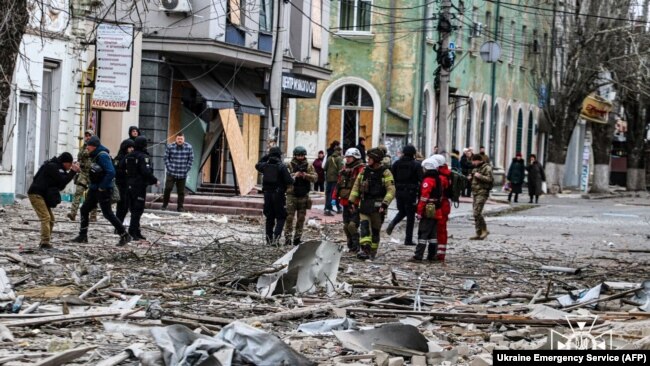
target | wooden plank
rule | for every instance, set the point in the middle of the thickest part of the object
(252, 123)
(333, 125)
(365, 125)
(59, 318)
(65, 357)
(244, 167)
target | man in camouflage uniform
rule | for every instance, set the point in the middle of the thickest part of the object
(372, 193)
(298, 201)
(347, 177)
(81, 180)
(482, 181)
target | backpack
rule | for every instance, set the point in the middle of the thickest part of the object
(457, 184)
(271, 174)
(96, 172)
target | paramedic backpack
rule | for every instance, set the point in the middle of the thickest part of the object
(457, 184)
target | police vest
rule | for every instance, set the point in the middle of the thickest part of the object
(372, 185)
(271, 174)
(301, 186)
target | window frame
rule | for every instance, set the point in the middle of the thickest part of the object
(355, 14)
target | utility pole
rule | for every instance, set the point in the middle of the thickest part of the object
(275, 85)
(493, 91)
(442, 141)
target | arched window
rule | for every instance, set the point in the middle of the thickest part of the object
(350, 115)
(529, 137)
(468, 123)
(493, 133)
(484, 117)
(520, 131)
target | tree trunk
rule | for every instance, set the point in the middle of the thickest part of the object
(636, 179)
(554, 177)
(601, 179)
(602, 136)
(558, 144)
(11, 34)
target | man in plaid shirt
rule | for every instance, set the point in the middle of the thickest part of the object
(178, 162)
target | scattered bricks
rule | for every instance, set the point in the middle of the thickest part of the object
(496, 338)
(463, 350)
(396, 361)
(489, 347)
(381, 358)
(484, 359)
(419, 361)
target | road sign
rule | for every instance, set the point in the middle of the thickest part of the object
(452, 46)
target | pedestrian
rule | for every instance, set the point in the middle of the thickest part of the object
(455, 161)
(445, 206)
(347, 177)
(179, 157)
(319, 185)
(482, 181)
(298, 201)
(466, 168)
(361, 146)
(516, 175)
(333, 145)
(126, 147)
(333, 165)
(100, 192)
(386, 161)
(535, 178)
(435, 150)
(428, 211)
(138, 168)
(275, 181)
(81, 179)
(481, 151)
(372, 193)
(134, 132)
(407, 173)
(44, 192)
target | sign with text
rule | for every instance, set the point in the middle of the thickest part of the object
(298, 85)
(114, 56)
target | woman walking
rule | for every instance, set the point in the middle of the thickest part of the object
(516, 174)
(535, 178)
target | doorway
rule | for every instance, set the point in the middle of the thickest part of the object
(25, 140)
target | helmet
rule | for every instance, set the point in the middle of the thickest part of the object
(409, 150)
(440, 159)
(299, 150)
(430, 164)
(140, 143)
(376, 154)
(353, 152)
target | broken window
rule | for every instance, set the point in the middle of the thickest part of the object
(355, 15)
(266, 15)
(350, 115)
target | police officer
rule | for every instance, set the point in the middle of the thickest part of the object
(275, 180)
(372, 193)
(408, 174)
(347, 176)
(298, 201)
(126, 147)
(139, 174)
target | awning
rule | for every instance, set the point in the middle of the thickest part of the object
(216, 96)
(244, 97)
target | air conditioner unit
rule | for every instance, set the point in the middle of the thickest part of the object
(477, 30)
(176, 6)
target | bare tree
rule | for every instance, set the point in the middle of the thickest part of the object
(13, 21)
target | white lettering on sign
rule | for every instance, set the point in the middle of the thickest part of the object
(290, 83)
(114, 56)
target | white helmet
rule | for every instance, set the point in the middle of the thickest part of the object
(353, 152)
(440, 159)
(430, 164)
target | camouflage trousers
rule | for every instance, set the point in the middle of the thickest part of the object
(79, 192)
(296, 206)
(477, 208)
(369, 229)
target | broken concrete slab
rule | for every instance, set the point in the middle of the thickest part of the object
(394, 335)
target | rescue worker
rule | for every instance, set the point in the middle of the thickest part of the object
(126, 147)
(407, 173)
(482, 181)
(139, 174)
(100, 191)
(275, 180)
(81, 180)
(347, 177)
(445, 205)
(372, 193)
(45, 192)
(298, 201)
(428, 211)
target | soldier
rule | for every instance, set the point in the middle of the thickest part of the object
(372, 193)
(482, 181)
(126, 147)
(100, 191)
(347, 176)
(81, 180)
(139, 174)
(298, 201)
(428, 210)
(408, 174)
(275, 180)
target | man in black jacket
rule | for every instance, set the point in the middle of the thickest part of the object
(275, 180)
(407, 173)
(126, 147)
(139, 174)
(51, 178)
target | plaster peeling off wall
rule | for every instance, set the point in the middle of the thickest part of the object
(49, 15)
(308, 140)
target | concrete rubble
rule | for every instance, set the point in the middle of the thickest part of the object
(203, 289)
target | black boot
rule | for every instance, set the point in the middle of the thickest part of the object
(124, 239)
(510, 197)
(536, 199)
(433, 251)
(419, 250)
(516, 197)
(389, 228)
(81, 238)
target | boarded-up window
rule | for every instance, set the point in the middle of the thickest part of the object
(236, 11)
(316, 21)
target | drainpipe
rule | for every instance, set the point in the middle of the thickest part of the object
(493, 92)
(421, 121)
(389, 66)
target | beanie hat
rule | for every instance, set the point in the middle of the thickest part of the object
(275, 151)
(65, 157)
(409, 150)
(140, 143)
(93, 141)
(375, 154)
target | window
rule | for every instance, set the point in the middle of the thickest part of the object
(468, 124)
(493, 132)
(350, 115)
(520, 131)
(460, 24)
(266, 15)
(513, 42)
(523, 44)
(316, 20)
(488, 23)
(236, 12)
(531, 131)
(472, 29)
(484, 116)
(355, 15)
